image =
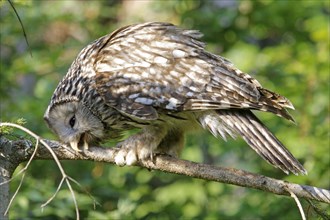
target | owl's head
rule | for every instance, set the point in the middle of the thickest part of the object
(74, 123)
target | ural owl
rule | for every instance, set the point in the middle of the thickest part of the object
(159, 79)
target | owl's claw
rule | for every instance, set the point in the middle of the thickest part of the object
(131, 158)
(130, 155)
(120, 159)
(124, 157)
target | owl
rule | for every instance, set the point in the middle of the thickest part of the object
(158, 80)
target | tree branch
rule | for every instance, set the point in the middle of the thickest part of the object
(173, 165)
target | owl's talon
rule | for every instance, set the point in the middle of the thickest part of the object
(120, 158)
(126, 157)
(130, 155)
(131, 158)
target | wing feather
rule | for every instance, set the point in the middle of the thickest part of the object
(164, 68)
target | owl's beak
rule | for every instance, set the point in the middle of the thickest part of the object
(85, 146)
(74, 146)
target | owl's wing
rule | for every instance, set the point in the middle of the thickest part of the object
(155, 67)
(139, 98)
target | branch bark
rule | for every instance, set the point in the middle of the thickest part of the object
(171, 165)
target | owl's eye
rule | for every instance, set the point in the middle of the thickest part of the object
(72, 121)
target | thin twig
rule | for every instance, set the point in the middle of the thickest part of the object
(22, 26)
(73, 197)
(95, 202)
(53, 156)
(23, 175)
(303, 217)
(54, 195)
(13, 197)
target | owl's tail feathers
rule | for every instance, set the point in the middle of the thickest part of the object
(257, 135)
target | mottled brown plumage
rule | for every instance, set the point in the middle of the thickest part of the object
(159, 78)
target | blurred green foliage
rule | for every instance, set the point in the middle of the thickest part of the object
(284, 44)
